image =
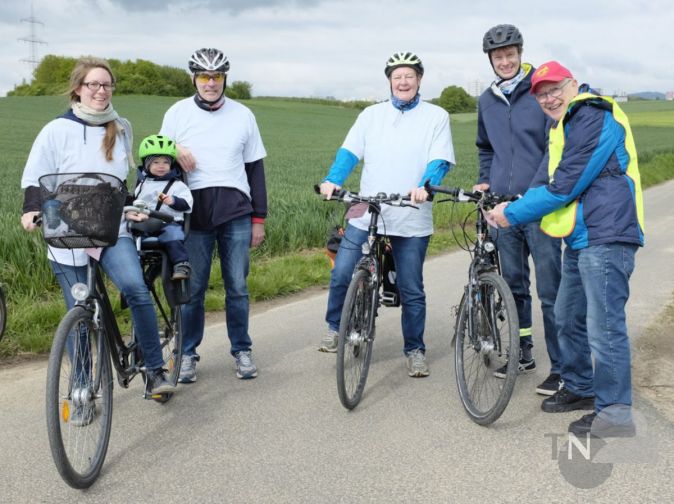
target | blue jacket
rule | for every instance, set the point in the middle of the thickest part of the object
(511, 139)
(592, 169)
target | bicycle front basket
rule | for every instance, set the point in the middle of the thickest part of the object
(81, 210)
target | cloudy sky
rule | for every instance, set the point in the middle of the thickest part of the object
(338, 47)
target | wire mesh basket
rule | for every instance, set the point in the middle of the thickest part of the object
(81, 210)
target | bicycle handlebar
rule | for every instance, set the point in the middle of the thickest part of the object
(486, 199)
(392, 199)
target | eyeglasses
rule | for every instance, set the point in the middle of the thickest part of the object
(203, 78)
(95, 86)
(554, 92)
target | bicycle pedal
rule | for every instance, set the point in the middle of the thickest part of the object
(390, 299)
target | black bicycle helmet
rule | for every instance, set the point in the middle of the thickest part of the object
(208, 60)
(403, 59)
(502, 35)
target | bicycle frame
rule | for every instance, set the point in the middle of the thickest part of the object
(98, 302)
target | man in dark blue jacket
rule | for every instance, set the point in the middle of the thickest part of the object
(593, 200)
(511, 143)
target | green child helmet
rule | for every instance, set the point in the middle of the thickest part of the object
(157, 145)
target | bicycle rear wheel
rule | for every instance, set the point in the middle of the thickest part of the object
(486, 339)
(356, 333)
(3, 313)
(79, 398)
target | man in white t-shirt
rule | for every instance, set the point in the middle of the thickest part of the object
(220, 149)
(403, 142)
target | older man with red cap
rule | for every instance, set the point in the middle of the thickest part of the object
(593, 200)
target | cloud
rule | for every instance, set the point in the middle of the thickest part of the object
(338, 47)
(233, 6)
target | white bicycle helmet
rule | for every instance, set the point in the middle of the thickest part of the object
(208, 60)
(404, 59)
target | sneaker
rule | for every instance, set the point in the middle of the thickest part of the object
(181, 271)
(188, 369)
(551, 385)
(416, 364)
(158, 384)
(82, 415)
(245, 367)
(524, 367)
(596, 426)
(564, 400)
(329, 343)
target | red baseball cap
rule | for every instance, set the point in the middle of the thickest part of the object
(551, 71)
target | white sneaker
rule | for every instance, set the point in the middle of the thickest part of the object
(329, 342)
(416, 364)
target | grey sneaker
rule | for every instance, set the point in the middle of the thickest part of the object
(416, 364)
(82, 415)
(245, 367)
(329, 342)
(188, 369)
(157, 383)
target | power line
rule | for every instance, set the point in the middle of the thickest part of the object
(32, 39)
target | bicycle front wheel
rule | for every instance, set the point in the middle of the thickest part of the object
(356, 333)
(486, 340)
(79, 398)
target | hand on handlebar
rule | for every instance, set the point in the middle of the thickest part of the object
(30, 220)
(497, 214)
(328, 188)
(418, 195)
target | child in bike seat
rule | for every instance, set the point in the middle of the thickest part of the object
(161, 188)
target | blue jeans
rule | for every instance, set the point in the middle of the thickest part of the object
(122, 266)
(408, 255)
(590, 312)
(233, 239)
(515, 244)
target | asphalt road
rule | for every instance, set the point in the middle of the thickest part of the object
(284, 437)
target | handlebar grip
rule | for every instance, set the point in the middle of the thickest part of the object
(162, 216)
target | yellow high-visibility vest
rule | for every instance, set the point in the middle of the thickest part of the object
(562, 221)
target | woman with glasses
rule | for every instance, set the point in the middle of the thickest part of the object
(220, 148)
(403, 143)
(91, 137)
(511, 144)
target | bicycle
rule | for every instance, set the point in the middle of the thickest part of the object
(486, 334)
(88, 339)
(363, 297)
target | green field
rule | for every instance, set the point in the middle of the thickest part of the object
(300, 138)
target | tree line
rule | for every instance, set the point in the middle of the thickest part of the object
(146, 78)
(133, 77)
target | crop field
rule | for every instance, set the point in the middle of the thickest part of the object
(300, 138)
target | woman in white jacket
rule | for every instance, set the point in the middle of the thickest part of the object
(91, 137)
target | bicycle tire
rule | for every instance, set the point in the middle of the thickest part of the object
(3, 313)
(171, 341)
(356, 333)
(495, 344)
(79, 398)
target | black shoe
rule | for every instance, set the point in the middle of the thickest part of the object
(524, 367)
(158, 384)
(181, 271)
(551, 385)
(596, 426)
(563, 400)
